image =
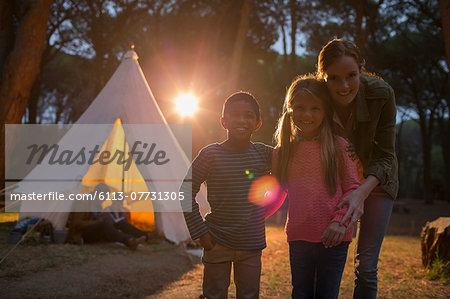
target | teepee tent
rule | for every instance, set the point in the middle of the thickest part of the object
(128, 99)
(119, 180)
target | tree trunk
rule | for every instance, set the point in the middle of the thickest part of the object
(444, 126)
(239, 44)
(444, 132)
(358, 5)
(21, 68)
(426, 152)
(6, 30)
(293, 9)
(33, 101)
(362, 32)
(444, 7)
(99, 47)
(398, 138)
(285, 55)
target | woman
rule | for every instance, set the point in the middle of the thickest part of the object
(365, 114)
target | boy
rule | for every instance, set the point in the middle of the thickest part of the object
(234, 231)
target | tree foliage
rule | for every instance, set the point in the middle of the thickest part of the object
(213, 47)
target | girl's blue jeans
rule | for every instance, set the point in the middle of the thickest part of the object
(370, 235)
(316, 271)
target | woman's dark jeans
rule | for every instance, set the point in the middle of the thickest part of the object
(371, 231)
(316, 271)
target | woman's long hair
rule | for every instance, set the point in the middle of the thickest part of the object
(337, 48)
(286, 133)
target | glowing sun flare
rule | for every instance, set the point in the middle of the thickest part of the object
(186, 104)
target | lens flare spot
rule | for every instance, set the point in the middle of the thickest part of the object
(268, 194)
(250, 175)
(266, 191)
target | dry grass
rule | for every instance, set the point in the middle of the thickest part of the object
(170, 274)
(401, 274)
(31, 257)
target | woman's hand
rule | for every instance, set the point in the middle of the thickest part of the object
(207, 241)
(355, 203)
(333, 235)
(355, 200)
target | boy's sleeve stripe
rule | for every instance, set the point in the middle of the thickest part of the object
(199, 171)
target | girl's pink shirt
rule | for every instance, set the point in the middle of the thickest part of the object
(311, 207)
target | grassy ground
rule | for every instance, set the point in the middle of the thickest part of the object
(165, 271)
(31, 257)
(104, 270)
(401, 274)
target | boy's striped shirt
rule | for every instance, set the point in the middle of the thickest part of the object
(233, 221)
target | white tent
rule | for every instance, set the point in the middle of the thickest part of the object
(127, 97)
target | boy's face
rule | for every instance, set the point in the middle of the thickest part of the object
(240, 121)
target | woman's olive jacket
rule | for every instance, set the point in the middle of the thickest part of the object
(373, 132)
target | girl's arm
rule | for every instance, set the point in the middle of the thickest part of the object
(350, 185)
(348, 178)
(333, 235)
(272, 207)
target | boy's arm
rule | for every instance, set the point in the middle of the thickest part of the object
(197, 174)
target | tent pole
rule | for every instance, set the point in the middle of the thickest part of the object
(123, 164)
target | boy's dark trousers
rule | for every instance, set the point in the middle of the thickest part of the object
(316, 271)
(217, 270)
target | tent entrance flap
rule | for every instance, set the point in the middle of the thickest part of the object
(121, 182)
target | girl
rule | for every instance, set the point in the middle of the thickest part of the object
(310, 163)
(364, 113)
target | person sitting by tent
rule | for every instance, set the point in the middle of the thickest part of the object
(117, 213)
(84, 227)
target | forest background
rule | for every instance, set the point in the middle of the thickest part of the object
(56, 55)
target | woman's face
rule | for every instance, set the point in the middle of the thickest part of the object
(342, 79)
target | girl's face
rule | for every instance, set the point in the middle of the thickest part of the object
(342, 79)
(307, 114)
